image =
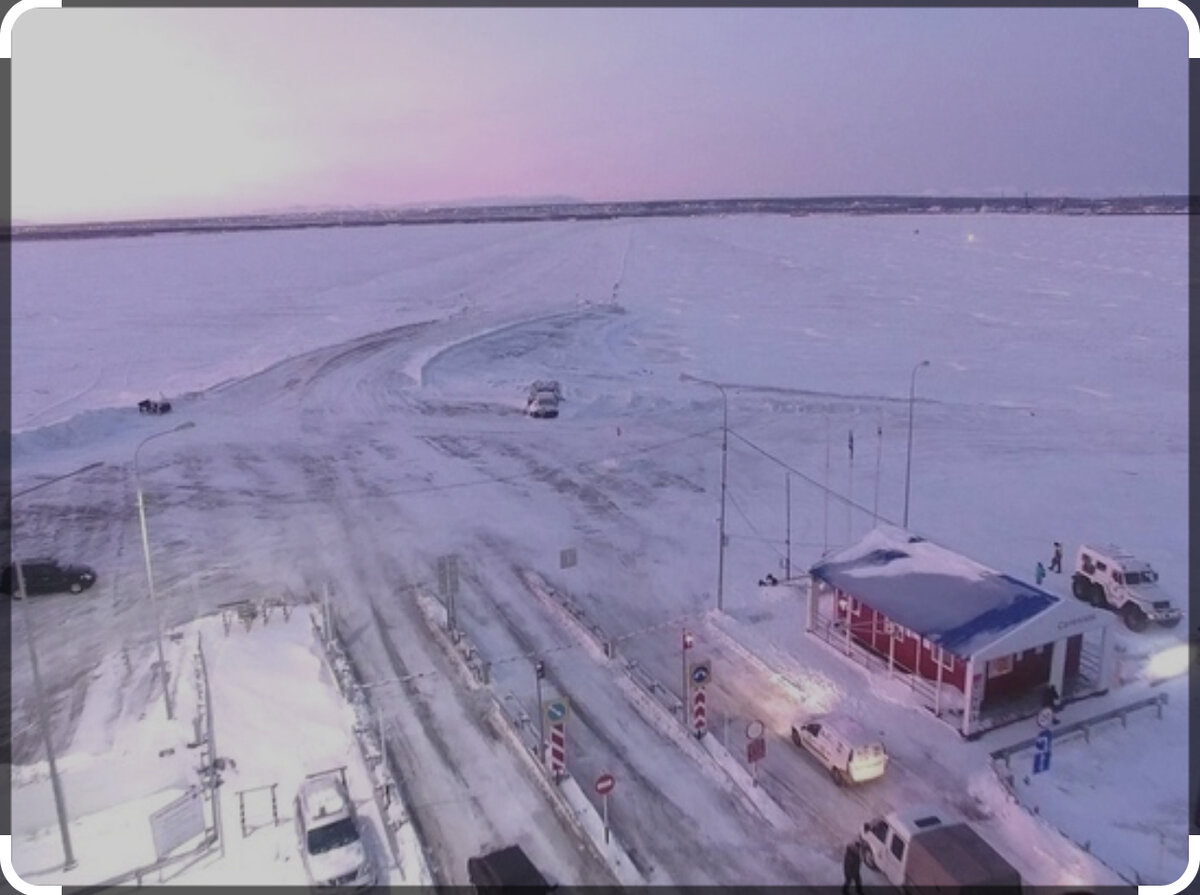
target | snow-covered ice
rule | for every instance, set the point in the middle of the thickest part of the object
(357, 397)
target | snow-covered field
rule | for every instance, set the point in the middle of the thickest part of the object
(357, 399)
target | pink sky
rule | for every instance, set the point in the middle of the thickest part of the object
(125, 113)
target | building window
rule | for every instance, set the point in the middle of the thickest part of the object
(1000, 665)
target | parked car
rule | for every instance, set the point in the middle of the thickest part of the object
(149, 405)
(331, 846)
(507, 867)
(47, 576)
(844, 747)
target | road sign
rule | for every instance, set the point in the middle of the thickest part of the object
(1045, 718)
(557, 710)
(176, 823)
(701, 673)
(447, 569)
(558, 749)
(699, 712)
(688, 640)
(1041, 754)
(754, 730)
(605, 784)
(756, 750)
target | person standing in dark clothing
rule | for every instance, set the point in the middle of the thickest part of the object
(1056, 559)
(851, 868)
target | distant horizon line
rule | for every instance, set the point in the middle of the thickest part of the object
(299, 217)
(514, 203)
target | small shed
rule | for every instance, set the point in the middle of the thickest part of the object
(983, 646)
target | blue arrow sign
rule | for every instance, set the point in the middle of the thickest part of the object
(701, 673)
(556, 711)
(1041, 755)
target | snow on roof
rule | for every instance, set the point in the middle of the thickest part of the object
(942, 596)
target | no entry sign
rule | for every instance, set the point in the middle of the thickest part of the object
(605, 784)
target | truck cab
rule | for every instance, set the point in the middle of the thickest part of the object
(885, 840)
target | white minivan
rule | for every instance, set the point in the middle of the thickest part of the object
(848, 750)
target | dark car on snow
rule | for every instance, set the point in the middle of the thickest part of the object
(47, 576)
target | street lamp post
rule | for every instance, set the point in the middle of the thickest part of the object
(724, 472)
(60, 804)
(912, 390)
(141, 504)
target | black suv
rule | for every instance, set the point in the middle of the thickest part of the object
(47, 576)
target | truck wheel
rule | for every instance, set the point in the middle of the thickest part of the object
(1171, 622)
(1135, 619)
(1081, 588)
(1098, 597)
(838, 777)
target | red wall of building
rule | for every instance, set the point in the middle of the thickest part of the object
(1030, 668)
(909, 651)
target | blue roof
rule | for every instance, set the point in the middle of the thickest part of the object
(940, 595)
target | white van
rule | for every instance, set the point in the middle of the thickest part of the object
(848, 751)
(330, 844)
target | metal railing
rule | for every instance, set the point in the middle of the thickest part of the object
(1084, 726)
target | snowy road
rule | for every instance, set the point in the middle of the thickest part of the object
(388, 432)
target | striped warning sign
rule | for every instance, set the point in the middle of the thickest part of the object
(699, 711)
(558, 748)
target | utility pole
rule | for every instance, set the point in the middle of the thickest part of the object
(825, 549)
(787, 490)
(912, 391)
(688, 642)
(724, 473)
(539, 669)
(878, 466)
(60, 803)
(141, 505)
(724, 468)
(850, 493)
